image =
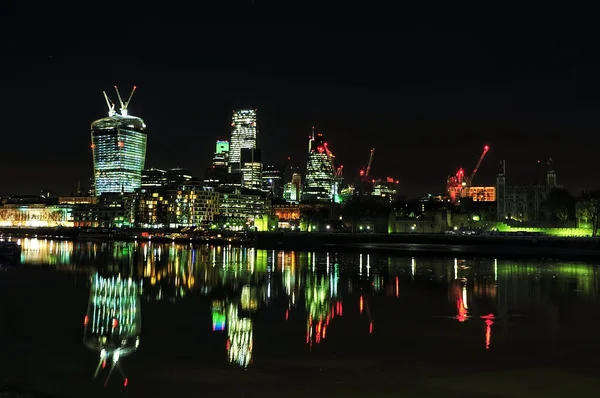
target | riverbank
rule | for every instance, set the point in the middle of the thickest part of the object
(435, 244)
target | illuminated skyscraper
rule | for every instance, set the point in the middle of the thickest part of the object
(118, 149)
(243, 135)
(251, 168)
(320, 172)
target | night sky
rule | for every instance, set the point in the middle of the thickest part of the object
(426, 87)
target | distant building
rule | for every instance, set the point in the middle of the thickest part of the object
(523, 202)
(251, 168)
(243, 135)
(216, 174)
(386, 190)
(239, 207)
(36, 215)
(320, 171)
(272, 177)
(119, 151)
(293, 190)
(192, 205)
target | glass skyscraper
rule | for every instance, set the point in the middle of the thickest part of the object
(119, 153)
(318, 184)
(243, 136)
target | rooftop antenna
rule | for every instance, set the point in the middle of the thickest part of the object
(110, 104)
(125, 104)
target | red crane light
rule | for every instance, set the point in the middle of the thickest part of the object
(487, 147)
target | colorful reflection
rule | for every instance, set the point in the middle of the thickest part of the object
(239, 338)
(112, 324)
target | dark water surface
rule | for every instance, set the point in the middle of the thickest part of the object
(195, 320)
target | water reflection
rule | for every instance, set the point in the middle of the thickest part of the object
(112, 324)
(243, 284)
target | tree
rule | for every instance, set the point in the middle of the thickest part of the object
(560, 205)
(588, 210)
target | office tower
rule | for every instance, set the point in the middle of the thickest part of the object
(216, 174)
(118, 149)
(251, 168)
(293, 190)
(272, 177)
(243, 135)
(221, 156)
(320, 172)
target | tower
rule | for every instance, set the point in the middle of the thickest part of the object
(118, 149)
(243, 135)
(251, 168)
(550, 175)
(320, 172)
(501, 191)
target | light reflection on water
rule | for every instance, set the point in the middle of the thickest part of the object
(334, 294)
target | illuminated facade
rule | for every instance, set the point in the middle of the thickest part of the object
(192, 205)
(482, 194)
(320, 172)
(251, 168)
(243, 135)
(37, 215)
(119, 153)
(385, 189)
(272, 176)
(239, 208)
(292, 191)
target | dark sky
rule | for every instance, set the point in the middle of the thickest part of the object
(427, 87)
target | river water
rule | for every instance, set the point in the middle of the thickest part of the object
(149, 320)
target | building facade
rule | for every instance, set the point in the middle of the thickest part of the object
(320, 171)
(251, 168)
(243, 135)
(523, 202)
(119, 153)
(272, 177)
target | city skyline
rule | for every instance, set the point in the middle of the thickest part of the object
(428, 92)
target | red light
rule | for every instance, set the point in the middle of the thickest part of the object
(115, 323)
(287, 314)
(325, 144)
(320, 149)
(92, 146)
(103, 364)
(362, 172)
(85, 320)
(371, 328)
(126, 382)
(486, 147)
(121, 144)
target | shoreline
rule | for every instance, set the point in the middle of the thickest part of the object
(407, 244)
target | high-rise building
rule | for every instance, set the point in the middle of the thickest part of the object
(217, 174)
(272, 177)
(293, 189)
(320, 171)
(243, 135)
(251, 168)
(221, 156)
(118, 149)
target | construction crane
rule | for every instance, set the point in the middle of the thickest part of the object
(364, 172)
(470, 179)
(339, 171)
(459, 184)
(110, 104)
(125, 104)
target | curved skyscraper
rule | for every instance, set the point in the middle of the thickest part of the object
(119, 150)
(318, 184)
